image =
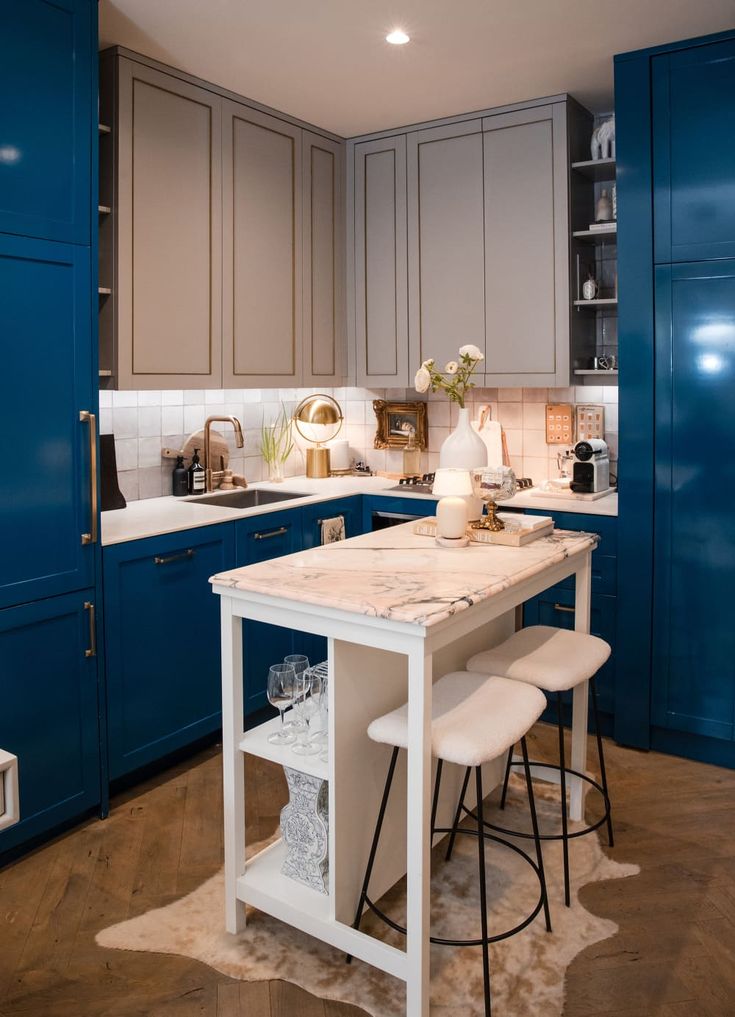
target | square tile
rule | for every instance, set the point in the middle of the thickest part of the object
(172, 419)
(194, 417)
(124, 399)
(214, 395)
(536, 468)
(149, 452)
(534, 444)
(514, 441)
(151, 482)
(125, 421)
(172, 397)
(149, 421)
(534, 416)
(128, 483)
(149, 398)
(510, 395)
(511, 414)
(194, 396)
(126, 453)
(535, 395)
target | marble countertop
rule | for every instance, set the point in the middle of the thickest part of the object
(398, 575)
(152, 517)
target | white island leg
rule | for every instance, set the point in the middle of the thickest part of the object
(233, 763)
(418, 790)
(581, 693)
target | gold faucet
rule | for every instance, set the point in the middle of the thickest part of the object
(210, 475)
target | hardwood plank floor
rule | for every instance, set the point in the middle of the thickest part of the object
(673, 957)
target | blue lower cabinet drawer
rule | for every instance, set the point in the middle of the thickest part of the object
(556, 607)
(162, 635)
(49, 718)
(257, 539)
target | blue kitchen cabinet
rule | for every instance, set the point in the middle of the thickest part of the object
(46, 80)
(694, 153)
(49, 715)
(693, 688)
(312, 515)
(162, 643)
(258, 539)
(45, 323)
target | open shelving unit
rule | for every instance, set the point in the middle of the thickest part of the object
(593, 251)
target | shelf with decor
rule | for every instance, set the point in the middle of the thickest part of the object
(593, 248)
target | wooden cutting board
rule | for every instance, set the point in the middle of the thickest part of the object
(218, 448)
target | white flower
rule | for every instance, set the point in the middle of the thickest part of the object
(452, 367)
(472, 352)
(422, 381)
(428, 363)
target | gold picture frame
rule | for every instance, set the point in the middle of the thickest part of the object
(395, 421)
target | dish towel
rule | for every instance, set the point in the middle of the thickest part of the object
(491, 433)
(333, 529)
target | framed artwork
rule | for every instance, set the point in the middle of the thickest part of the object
(396, 421)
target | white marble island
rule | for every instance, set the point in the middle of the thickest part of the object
(399, 612)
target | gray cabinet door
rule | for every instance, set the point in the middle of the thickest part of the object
(526, 247)
(446, 241)
(169, 232)
(262, 263)
(380, 263)
(324, 339)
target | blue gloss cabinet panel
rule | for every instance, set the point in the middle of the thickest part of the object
(162, 635)
(412, 508)
(45, 144)
(49, 711)
(312, 515)
(694, 564)
(45, 324)
(258, 539)
(694, 153)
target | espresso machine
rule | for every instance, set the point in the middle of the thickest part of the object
(591, 467)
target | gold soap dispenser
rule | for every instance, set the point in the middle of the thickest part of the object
(411, 457)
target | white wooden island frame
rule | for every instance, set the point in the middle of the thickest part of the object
(370, 661)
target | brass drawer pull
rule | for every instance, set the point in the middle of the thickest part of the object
(183, 556)
(271, 533)
(85, 417)
(92, 651)
(564, 608)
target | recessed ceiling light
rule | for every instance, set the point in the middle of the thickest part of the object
(397, 37)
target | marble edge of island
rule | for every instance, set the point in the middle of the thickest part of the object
(400, 576)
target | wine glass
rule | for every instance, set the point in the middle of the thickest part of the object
(300, 663)
(305, 706)
(319, 695)
(281, 679)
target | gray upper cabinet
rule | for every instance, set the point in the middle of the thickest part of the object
(324, 340)
(168, 225)
(380, 263)
(446, 241)
(526, 247)
(262, 264)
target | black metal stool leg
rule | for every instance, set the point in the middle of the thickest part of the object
(458, 814)
(563, 778)
(435, 802)
(374, 845)
(483, 891)
(601, 756)
(507, 777)
(534, 825)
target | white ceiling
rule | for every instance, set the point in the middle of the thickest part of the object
(327, 62)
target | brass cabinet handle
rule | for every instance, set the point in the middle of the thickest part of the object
(92, 651)
(89, 418)
(271, 533)
(564, 608)
(188, 553)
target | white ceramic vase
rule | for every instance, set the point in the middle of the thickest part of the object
(464, 449)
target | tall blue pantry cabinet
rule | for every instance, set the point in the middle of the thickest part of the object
(675, 109)
(48, 667)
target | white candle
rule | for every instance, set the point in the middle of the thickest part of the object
(339, 454)
(451, 517)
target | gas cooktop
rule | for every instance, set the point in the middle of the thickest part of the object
(421, 485)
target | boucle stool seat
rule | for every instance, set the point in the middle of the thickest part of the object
(475, 719)
(554, 660)
(549, 658)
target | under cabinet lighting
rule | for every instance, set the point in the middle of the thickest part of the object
(397, 37)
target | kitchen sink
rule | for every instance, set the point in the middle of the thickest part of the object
(244, 499)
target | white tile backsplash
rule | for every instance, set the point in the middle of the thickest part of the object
(145, 422)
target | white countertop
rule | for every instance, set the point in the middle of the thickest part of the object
(152, 517)
(396, 574)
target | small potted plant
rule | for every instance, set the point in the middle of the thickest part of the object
(276, 444)
(464, 448)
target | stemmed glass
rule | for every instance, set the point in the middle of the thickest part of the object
(305, 706)
(281, 681)
(300, 663)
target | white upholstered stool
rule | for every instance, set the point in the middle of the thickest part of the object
(475, 719)
(555, 661)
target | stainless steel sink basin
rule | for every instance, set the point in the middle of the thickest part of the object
(244, 499)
